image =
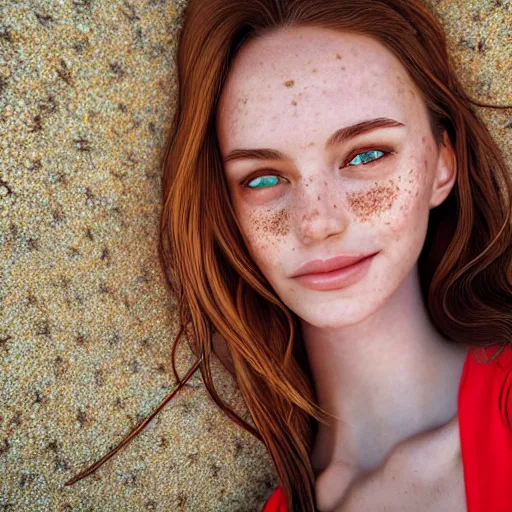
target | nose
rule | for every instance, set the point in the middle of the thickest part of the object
(322, 212)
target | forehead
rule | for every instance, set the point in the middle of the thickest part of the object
(306, 80)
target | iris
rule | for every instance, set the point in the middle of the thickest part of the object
(367, 156)
(265, 180)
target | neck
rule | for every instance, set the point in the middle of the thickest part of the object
(385, 379)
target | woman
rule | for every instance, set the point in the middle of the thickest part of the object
(314, 135)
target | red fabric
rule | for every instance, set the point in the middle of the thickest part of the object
(276, 502)
(485, 422)
(485, 427)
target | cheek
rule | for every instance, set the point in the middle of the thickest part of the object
(263, 229)
(409, 219)
(374, 201)
(398, 204)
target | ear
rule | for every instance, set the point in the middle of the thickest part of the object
(445, 172)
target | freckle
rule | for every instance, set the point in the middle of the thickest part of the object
(373, 201)
(294, 102)
(309, 216)
(424, 139)
(310, 180)
(315, 70)
(273, 224)
(343, 68)
(289, 83)
(338, 56)
(319, 198)
(325, 183)
(311, 144)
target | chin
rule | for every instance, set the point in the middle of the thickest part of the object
(334, 314)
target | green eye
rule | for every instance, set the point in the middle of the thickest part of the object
(263, 180)
(366, 156)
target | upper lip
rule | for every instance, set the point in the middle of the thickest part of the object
(336, 263)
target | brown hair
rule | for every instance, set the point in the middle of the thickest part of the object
(465, 264)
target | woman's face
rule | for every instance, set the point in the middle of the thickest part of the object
(368, 192)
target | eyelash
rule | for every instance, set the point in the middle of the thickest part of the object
(261, 172)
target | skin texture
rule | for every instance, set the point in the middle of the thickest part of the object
(424, 474)
(289, 91)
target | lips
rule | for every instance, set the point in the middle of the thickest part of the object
(322, 266)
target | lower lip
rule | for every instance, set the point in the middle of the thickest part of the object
(337, 278)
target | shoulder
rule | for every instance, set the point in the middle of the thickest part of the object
(484, 355)
(276, 501)
(486, 387)
(487, 365)
(485, 413)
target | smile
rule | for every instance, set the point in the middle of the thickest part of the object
(337, 279)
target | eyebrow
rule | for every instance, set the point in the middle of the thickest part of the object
(339, 136)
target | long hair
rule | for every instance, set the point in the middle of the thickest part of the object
(465, 265)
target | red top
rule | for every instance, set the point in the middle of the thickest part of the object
(485, 428)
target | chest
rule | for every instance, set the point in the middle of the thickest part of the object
(426, 475)
(407, 489)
